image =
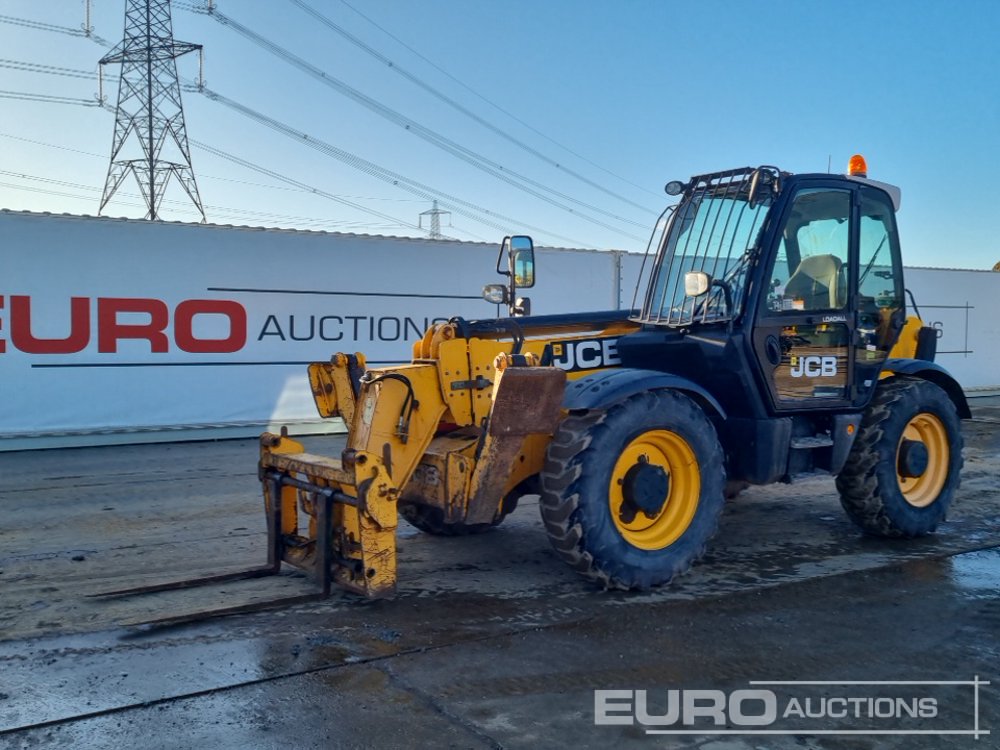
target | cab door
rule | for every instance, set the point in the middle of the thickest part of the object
(803, 339)
(878, 306)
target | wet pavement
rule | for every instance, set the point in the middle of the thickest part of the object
(491, 642)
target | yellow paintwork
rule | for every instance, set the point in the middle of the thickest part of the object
(923, 490)
(324, 389)
(453, 367)
(527, 401)
(906, 345)
(443, 475)
(381, 406)
(466, 472)
(672, 453)
(331, 386)
(481, 356)
(365, 534)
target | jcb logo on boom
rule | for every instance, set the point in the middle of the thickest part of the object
(814, 367)
(587, 354)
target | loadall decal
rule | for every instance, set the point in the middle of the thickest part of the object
(586, 354)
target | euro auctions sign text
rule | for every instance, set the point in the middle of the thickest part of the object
(109, 320)
(801, 708)
(194, 326)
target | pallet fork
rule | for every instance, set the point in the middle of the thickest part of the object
(350, 504)
(296, 482)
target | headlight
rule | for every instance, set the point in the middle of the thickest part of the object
(495, 293)
(675, 187)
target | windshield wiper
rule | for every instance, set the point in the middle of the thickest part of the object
(871, 263)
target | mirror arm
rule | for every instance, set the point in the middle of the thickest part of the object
(727, 295)
(504, 245)
(512, 307)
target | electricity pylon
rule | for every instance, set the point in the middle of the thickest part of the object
(435, 213)
(149, 116)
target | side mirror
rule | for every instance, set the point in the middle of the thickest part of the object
(696, 283)
(522, 261)
(520, 252)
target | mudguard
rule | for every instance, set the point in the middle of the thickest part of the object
(935, 373)
(604, 388)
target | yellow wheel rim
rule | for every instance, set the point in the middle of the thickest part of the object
(671, 452)
(923, 490)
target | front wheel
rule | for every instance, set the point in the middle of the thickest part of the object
(631, 495)
(904, 467)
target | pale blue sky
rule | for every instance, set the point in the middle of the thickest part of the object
(628, 95)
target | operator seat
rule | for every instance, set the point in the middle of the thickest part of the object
(818, 282)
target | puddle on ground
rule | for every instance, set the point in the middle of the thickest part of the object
(976, 573)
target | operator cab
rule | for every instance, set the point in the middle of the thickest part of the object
(798, 276)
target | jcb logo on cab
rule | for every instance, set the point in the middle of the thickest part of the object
(814, 367)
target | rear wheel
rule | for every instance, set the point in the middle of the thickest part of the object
(631, 495)
(905, 464)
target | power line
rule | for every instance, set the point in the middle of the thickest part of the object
(496, 106)
(455, 204)
(294, 184)
(473, 235)
(40, 26)
(301, 185)
(374, 170)
(267, 186)
(47, 69)
(53, 145)
(217, 210)
(494, 169)
(184, 207)
(47, 98)
(475, 212)
(330, 24)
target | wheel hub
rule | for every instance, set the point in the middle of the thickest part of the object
(654, 489)
(913, 458)
(645, 489)
(922, 459)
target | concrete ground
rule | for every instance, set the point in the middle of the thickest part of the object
(491, 641)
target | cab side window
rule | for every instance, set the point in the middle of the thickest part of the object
(811, 267)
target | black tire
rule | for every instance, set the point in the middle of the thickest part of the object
(576, 499)
(430, 520)
(872, 490)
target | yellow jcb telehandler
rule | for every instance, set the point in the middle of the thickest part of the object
(771, 340)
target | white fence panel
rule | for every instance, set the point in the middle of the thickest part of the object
(120, 331)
